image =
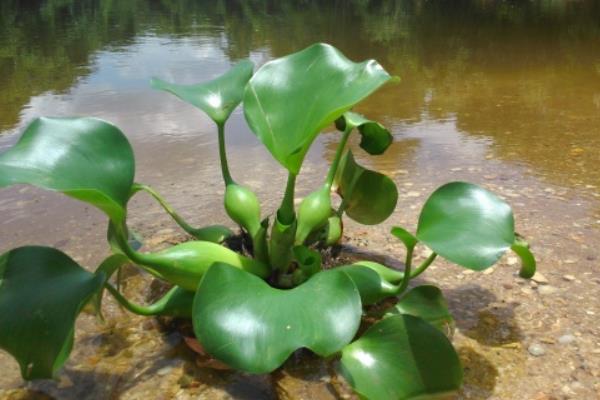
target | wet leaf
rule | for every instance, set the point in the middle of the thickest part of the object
(467, 225)
(218, 97)
(426, 302)
(85, 158)
(291, 99)
(402, 357)
(42, 291)
(369, 196)
(375, 138)
(245, 323)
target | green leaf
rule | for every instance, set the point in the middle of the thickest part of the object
(402, 357)
(426, 302)
(371, 285)
(375, 138)
(42, 292)
(291, 99)
(369, 196)
(85, 158)
(218, 97)
(242, 321)
(467, 225)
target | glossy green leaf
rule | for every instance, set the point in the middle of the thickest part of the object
(375, 138)
(218, 97)
(42, 292)
(528, 263)
(399, 358)
(85, 158)
(426, 302)
(291, 99)
(467, 225)
(369, 196)
(371, 286)
(242, 321)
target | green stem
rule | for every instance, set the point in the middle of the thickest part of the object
(338, 156)
(134, 308)
(121, 236)
(424, 265)
(286, 213)
(166, 206)
(223, 155)
(407, 271)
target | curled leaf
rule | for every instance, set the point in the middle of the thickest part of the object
(369, 196)
(375, 138)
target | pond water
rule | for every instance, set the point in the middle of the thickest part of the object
(503, 94)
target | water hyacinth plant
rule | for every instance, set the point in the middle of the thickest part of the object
(253, 311)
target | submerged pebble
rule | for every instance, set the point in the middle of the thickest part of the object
(536, 350)
(566, 339)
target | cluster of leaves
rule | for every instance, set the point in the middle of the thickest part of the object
(253, 312)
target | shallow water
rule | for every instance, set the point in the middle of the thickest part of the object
(503, 94)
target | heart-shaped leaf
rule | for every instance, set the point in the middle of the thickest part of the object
(242, 321)
(290, 100)
(369, 197)
(426, 302)
(402, 357)
(218, 97)
(467, 225)
(42, 292)
(375, 138)
(85, 158)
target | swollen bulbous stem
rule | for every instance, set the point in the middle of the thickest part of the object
(242, 206)
(222, 154)
(313, 213)
(338, 156)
